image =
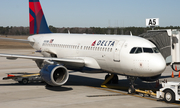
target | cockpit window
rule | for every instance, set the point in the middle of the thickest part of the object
(147, 50)
(133, 50)
(139, 50)
(155, 50)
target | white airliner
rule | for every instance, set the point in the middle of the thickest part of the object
(117, 54)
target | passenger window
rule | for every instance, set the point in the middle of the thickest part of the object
(147, 50)
(139, 50)
(100, 48)
(133, 50)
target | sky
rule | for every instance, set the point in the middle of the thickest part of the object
(93, 13)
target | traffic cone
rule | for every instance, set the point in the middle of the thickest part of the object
(172, 76)
(175, 68)
(179, 74)
(157, 83)
(9, 75)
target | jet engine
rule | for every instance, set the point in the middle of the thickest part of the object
(153, 78)
(54, 75)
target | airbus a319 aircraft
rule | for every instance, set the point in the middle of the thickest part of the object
(91, 53)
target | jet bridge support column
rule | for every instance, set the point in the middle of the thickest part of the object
(175, 48)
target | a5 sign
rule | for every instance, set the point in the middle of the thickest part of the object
(152, 22)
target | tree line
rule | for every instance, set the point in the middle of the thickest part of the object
(91, 30)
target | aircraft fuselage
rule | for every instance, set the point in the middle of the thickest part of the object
(105, 53)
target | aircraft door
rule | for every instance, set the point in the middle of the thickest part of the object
(118, 47)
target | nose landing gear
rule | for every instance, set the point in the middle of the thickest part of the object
(131, 89)
(113, 78)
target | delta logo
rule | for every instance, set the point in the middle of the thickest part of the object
(93, 44)
(103, 43)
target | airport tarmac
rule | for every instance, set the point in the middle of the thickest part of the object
(81, 90)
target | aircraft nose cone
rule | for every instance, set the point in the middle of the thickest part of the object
(158, 65)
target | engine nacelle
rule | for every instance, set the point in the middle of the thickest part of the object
(154, 78)
(54, 75)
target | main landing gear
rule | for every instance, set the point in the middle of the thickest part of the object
(113, 78)
(131, 89)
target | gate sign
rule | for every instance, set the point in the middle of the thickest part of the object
(152, 22)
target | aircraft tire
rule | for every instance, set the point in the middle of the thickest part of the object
(131, 90)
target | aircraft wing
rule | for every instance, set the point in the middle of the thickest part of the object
(15, 40)
(13, 56)
(68, 62)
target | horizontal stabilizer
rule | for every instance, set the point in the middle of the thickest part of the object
(15, 40)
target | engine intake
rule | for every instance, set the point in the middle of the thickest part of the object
(54, 75)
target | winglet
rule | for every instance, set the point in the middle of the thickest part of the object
(37, 21)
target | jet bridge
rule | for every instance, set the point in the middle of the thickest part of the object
(167, 41)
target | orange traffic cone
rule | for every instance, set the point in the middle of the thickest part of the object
(172, 76)
(179, 74)
(10, 75)
(157, 84)
(175, 68)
